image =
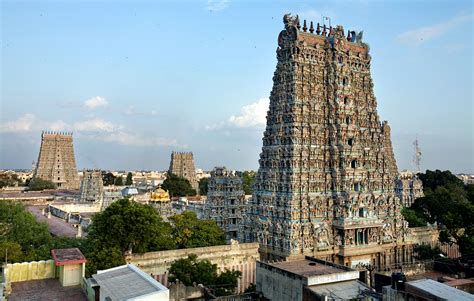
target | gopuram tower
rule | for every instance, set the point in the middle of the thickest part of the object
(182, 165)
(325, 185)
(56, 161)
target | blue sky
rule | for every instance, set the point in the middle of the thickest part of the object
(135, 81)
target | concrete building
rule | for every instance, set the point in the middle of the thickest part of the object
(125, 282)
(56, 162)
(226, 202)
(309, 279)
(326, 182)
(424, 290)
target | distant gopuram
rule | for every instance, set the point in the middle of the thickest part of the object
(56, 161)
(182, 165)
(325, 185)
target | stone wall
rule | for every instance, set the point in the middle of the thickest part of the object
(241, 257)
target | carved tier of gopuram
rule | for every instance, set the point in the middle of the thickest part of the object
(182, 165)
(56, 162)
(325, 185)
(92, 186)
(408, 187)
(226, 202)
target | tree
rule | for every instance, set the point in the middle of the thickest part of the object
(39, 184)
(191, 270)
(19, 227)
(191, 232)
(118, 181)
(414, 218)
(248, 178)
(108, 178)
(203, 186)
(10, 251)
(178, 186)
(130, 227)
(447, 202)
(425, 252)
(129, 179)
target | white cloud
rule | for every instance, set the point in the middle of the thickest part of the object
(95, 102)
(22, 124)
(316, 16)
(252, 115)
(94, 125)
(217, 5)
(58, 125)
(421, 35)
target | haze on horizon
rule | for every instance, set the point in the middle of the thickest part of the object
(135, 81)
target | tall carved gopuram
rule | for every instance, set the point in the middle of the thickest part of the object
(56, 161)
(325, 185)
(182, 165)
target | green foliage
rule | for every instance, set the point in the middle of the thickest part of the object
(129, 179)
(203, 186)
(178, 186)
(248, 178)
(11, 251)
(102, 258)
(191, 232)
(414, 218)
(191, 270)
(108, 178)
(40, 184)
(118, 181)
(425, 252)
(19, 226)
(130, 226)
(449, 203)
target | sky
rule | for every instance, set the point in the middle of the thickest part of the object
(136, 80)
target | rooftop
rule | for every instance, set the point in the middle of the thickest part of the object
(315, 271)
(45, 290)
(309, 267)
(436, 290)
(67, 256)
(125, 282)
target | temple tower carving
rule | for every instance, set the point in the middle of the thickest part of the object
(182, 165)
(56, 161)
(325, 185)
(92, 186)
(226, 202)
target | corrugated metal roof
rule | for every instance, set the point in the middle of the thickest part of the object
(439, 290)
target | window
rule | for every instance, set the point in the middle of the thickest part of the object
(350, 141)
(354, 163)
(356, 186)
(346, 100)
(348, 120)
(345, 81)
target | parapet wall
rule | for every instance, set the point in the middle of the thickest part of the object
(241, 257)
(25, 271)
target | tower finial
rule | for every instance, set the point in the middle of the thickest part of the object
(348, 35)
(305, 28)
(298, 23)
(311, 27)
(324, 30)
(318, 29)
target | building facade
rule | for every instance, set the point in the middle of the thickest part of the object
(182, 165)
(56, 162)
(226, 202)
(92, 186)
(326, 182)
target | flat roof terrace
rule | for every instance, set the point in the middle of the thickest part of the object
(314, 271)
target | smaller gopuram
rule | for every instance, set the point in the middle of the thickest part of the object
(92, 186)
(56, 162)
(408, 187)
(226, 202)
(182, 165)
(161, 201)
